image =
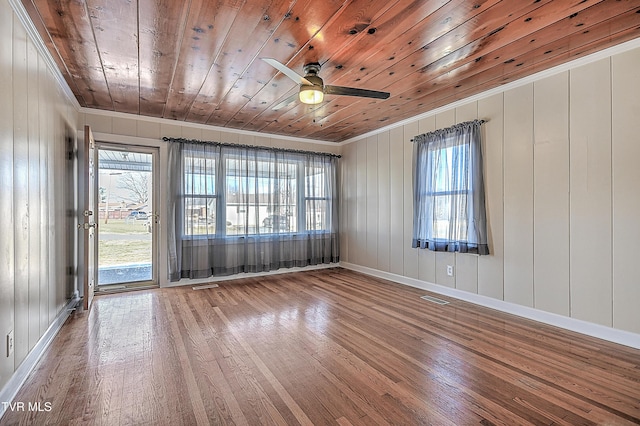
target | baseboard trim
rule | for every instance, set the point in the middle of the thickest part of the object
(594, 330)
(10, 390)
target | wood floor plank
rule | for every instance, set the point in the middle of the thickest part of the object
(322, 347)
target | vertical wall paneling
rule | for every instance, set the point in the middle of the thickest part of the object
(347, 226)
(343, 201)
(21, 169)
(444, 259)
(227, 137)
(196, 133)
(353, 202)
(384, 202)
(491, 268)
(33, 95)
(371, 202)
(44, 115)
(466, 272)
(361, 202)
(410, 254)
(7, 229)
(57, 197)
(427, 258)
(34, 248)
(590, 215)
(103, 124)
(551, 194)
(125, 126)
(396, 179)
(242, 138)
(54, 198)
(148, 129)
(342, 211)
(49, 160)
(171, 131)
(210, 135)
(518, 195)
(626, 196)
(466, 264)
(69, 208)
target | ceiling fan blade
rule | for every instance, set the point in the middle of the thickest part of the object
(352, 91)
(285, 103)
(287, 71)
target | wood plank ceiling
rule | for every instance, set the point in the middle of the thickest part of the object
(199, 60)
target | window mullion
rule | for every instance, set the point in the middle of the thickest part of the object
(221, 199)
(302, 205)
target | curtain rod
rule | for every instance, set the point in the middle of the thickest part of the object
(237, 145)
(446, 129)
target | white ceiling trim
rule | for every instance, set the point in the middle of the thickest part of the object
(602, 54)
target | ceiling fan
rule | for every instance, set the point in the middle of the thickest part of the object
(312, 88)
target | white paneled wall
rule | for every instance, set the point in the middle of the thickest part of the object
(37, 121)
(551, 194)
(396, 188)
(625, 139)
(518, 194)
(490, 268)
(590, 199)
(561, 175)
(383, 231)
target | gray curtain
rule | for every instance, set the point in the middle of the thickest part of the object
(236, 208)
(449, 203)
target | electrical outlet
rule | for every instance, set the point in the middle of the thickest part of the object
(10, 343)
(450, 270)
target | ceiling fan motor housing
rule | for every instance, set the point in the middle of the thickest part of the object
(311, 69)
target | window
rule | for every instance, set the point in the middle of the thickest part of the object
(317, 200)
(449, 211)
(260, 197)
(246, 209)
(200, 195)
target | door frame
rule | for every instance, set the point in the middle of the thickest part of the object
(155, 188)
(86, 219)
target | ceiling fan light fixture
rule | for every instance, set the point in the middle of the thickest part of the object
(311, 95)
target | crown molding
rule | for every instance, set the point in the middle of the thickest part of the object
(34, 35)
(602, 54)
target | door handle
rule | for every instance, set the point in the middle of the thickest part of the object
(86, 225)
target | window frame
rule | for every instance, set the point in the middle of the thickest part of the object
(431, 196)
(220, 199)
(326, 198)
(448, 182)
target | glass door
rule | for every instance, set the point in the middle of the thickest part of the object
(126, 217)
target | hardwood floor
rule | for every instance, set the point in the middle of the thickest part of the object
(322, 347)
